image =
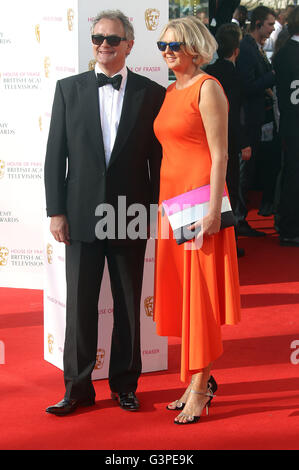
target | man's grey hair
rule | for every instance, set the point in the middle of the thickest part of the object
(115, 15)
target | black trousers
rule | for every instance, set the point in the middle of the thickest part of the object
(269, 165)
(265, 155)
(247, 172)
(85, 264)
(233, 179)
(288, 206)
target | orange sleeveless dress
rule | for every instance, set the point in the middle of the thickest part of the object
(196, 291)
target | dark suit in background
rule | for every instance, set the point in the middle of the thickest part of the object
(286, 66)
(225, 71)
(222, 12)
(77, 181)
(256, 76)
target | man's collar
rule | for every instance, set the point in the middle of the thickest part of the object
(253, 39)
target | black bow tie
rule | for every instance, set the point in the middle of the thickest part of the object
(104, 80)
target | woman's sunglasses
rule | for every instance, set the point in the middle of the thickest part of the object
(112, 40)
(173, 46)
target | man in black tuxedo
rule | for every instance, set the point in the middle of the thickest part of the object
(286, 66)
(257, 80)
(101, 146)
(221, 12)
(228, 38)
(240, 17)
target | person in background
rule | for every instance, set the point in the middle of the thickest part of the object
(202, 15)
(283, 36)
(289, 9)
(286, 66)
(221, 12)
(192, 129)
(257, 79)
(240, 18)
(228, 38)
(278, 26)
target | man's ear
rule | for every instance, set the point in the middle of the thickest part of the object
(130, 46)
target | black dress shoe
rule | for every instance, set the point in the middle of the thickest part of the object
(67, 406)
(266, 210)
(289, 241)
(243, 228)
(127, 401)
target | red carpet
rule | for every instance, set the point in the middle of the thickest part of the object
(257, 403)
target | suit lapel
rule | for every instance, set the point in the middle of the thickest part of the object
(133, 98)
(89, 96)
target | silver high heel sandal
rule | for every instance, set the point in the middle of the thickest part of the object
(179, 405)
(195, 419)
(212, 388)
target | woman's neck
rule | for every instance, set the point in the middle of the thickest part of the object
(187, 77)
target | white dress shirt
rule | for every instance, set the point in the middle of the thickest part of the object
(111, 102)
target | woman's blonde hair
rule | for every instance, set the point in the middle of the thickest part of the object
(199, 42)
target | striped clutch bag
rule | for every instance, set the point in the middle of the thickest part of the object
(187, 208)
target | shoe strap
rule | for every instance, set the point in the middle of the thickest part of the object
(206, 394)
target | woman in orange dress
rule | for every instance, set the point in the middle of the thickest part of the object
(196, 289)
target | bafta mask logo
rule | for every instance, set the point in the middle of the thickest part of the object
(91, 64)
(152, 16)
(4, 252)
(50, 343)
(2, 169)
(149, 306)
(70, 19)
(50, 253)
(37, 32)
(100, 359)
(40, 123)
(47, 64)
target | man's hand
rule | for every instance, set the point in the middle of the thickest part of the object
(246, 153)
(59, 228)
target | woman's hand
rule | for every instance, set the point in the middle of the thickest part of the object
(210, 225)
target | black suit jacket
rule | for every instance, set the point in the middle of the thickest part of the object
(76, 177)
(286, 66)
(222, 12)
(256, 76)
(225, 71)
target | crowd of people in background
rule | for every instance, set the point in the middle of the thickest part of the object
(257, 64)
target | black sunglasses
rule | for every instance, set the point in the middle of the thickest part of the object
(173, 46)
(112, 40)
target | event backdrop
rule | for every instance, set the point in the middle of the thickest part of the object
(21, 146)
